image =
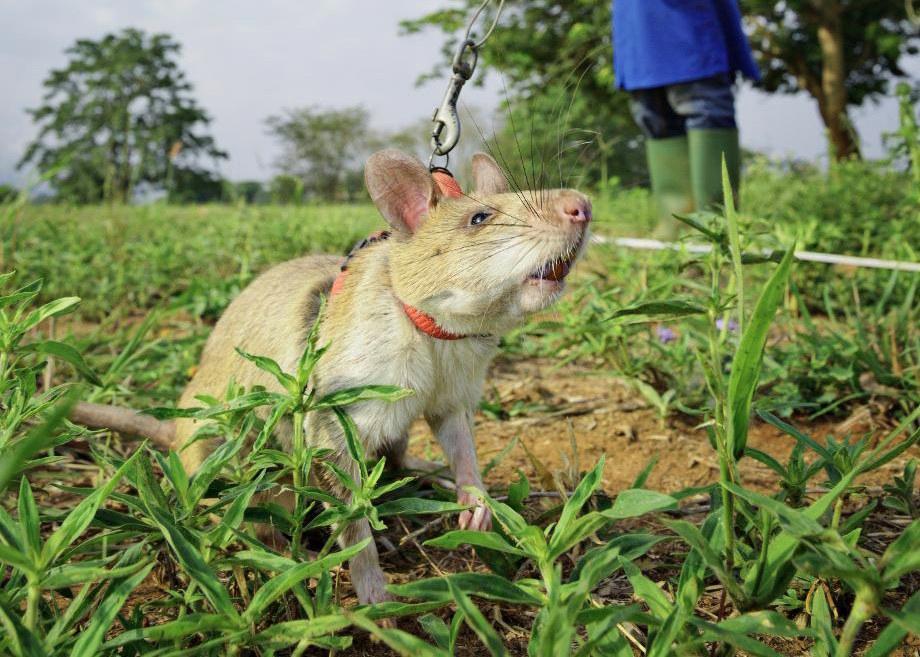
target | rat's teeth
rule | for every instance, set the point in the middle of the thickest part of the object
(556, 270)
(552, 271)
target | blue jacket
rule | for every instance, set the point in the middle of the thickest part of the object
(662, 42)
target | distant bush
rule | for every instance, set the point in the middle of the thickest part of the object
(858, 207)
(250, 191)
(285, 189)
(8, 193)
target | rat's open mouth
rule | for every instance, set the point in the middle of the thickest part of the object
(558, 268)
(555, 270)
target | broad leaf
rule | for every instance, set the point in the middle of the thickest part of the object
(413, 506)
(82, 515)
(482, 585)
(823, 627)
(280, 583)
(573, 505)
(288, 382)
(745, 370)
(50, 309)
(184, 627)
(454, 539)
(670, 309)
(363, 393)
(401, 642)
(67, 354)
(281, 635)
(91, 637)
(29, 524)
(634, 502)
(902, 556)
(477, 622)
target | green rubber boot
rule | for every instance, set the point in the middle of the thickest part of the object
(706, 149)
(669, 169)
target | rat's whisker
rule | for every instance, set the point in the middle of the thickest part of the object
(501, 242)
(517, 143)
(473, 198)
(506, 170)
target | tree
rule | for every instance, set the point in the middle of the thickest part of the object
(187, 185)
(118, 115)
(250, 191)
(8, 193)
(285, 189)
(323, 147)
(562, 113)
(840, 52)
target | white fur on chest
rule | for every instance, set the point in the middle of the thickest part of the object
(446, 376)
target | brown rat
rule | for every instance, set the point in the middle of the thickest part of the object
(472, 266)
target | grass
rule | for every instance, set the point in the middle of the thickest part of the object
(88, 522)
(128, 260)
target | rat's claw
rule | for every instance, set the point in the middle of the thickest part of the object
(465, 517)
(479, 518)
(482, 518)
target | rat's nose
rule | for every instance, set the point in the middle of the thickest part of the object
(575, 207)
(578, 212)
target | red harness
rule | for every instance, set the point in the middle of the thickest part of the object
(423, 322)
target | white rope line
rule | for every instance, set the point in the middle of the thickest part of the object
(809, 256)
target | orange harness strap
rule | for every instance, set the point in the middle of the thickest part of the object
(446, 182)
(428, 325)
(423, 322)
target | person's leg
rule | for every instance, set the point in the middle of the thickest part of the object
(708, 107)
(667, 155)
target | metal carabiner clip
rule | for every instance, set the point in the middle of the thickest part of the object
(446, 131)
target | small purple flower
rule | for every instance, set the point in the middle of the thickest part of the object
(665, 334)
(732, 325)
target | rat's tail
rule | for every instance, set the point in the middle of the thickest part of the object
(124, 420)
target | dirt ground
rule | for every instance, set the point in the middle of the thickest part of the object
(573, 416)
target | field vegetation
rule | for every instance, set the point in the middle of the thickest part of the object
(705, 453)
(109, 548)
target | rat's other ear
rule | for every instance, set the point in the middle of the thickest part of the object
(401, 188)
(488, 176)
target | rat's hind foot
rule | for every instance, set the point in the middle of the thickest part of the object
(370, 584)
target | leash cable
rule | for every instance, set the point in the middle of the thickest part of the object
(446, 130)
(807, 256)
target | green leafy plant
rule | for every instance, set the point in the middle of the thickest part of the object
(157, 561)
(901, 492)
(195, 522)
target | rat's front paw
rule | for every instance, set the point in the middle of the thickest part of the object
(479, 518)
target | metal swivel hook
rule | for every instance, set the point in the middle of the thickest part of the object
(445, 132)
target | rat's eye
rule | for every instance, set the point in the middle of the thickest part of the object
(478, 218)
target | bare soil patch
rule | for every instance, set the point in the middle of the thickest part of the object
(568, 417)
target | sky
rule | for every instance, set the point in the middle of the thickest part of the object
(248, 60)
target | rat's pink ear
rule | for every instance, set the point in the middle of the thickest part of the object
(401, 188)
(488, 176)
